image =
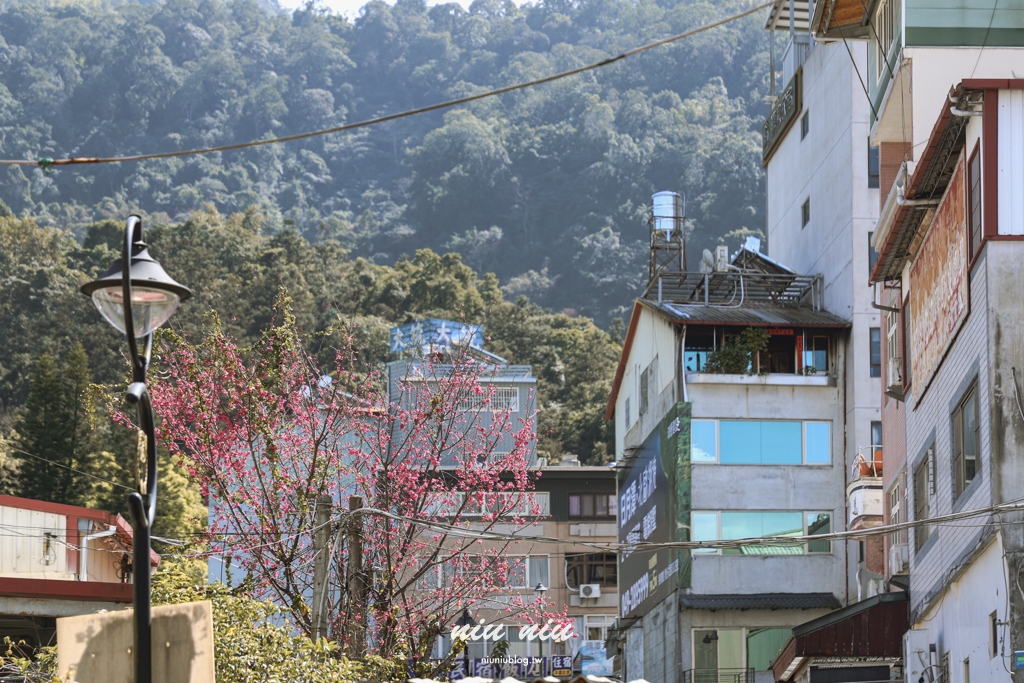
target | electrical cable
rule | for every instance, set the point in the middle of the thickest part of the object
(39, 457)
(48, 162)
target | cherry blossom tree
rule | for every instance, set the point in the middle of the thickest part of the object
(265, 431)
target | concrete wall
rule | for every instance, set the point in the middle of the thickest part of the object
(960, 623)
(1006, 334)
(654, 340)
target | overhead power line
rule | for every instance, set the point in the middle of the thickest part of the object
(47, 162)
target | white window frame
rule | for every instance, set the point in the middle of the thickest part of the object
(803, 444)
(693, 641)
(605, 621)
(885, 34)
(542, 499)
(503, 399)
(718, 530)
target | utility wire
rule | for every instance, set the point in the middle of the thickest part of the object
(39, 457)
(47, 162)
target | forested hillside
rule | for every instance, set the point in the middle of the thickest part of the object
(546, 187)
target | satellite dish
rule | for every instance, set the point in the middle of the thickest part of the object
(707, 262)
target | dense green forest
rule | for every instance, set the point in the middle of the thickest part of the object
(547, 187)
(525, 212)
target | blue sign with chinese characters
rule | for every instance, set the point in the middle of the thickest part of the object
(423, 335)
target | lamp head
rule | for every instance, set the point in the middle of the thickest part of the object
(155, 295)
(465, 619)
(710, 638)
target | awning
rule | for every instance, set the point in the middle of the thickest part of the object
(871, 628)
(769, 601)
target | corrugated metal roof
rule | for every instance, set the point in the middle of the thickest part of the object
(760, 601)
(870, 628)
(752, 314)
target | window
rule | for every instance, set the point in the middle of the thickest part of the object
(716, 651)
(921, 503)
(876, 437)
(494, 400)
(884, 26)
(872, 254)
(527, 572)
(906, 346)
(805, 213)
(892, 347)
(500, 503)
(644, 387)
(816, 354)
(965, 441)
(595, 626)
(805, 124)
(873, 168)
(760, 442)
(733, 525)
(876, 351)
(599, 568)
(967, 670)
(894, 512)
(974, 201)
(592, 506)
(629, 419)
(993, 634)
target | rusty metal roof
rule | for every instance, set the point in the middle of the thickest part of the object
(750, 315)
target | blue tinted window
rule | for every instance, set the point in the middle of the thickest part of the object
(818, 450)
(705, 528)
(780, 443)
(740, 442)
(702, 435)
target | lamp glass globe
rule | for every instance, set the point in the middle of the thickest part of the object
(150, 307)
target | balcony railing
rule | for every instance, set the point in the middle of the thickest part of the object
(718, 676)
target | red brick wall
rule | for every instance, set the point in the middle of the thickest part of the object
(894, 434)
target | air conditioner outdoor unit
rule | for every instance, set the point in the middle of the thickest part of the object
(590, 590)
(721, 258)
(895, 380)
(917, 656)
(899, 559)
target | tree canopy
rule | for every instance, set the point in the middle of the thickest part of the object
(555, 177)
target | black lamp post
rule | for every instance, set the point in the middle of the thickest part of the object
(139, 279)
(465, 620)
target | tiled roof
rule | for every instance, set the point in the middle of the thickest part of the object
(771, 601)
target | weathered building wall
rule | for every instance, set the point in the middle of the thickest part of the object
(1006, 331)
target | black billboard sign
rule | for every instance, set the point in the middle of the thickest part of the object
(648, 502)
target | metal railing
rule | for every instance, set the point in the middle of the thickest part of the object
(718, 676)
(735, 288)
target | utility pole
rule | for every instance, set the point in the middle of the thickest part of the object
(321, 565)
(356, 582)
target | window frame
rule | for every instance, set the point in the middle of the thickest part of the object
(975, 226)
(588, 560)
(805, 213)
(805, 124)
(474, 403)
(885, 32)
(804, 547)
(611, 505)
(804, 462)
(875, 351)
(961, 483)
(874, 171)
(922, 502)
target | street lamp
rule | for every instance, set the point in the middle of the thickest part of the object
(540, 589)
(153, 297)
(465, 620)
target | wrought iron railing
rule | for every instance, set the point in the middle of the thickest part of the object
(718, 676)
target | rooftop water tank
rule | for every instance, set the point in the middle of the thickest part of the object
(668, 212)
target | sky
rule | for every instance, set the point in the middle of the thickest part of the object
(350, 8)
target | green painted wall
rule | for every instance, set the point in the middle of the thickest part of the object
(995, 23)
(681, 421)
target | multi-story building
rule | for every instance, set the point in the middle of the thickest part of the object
(59, 561)
(950, 242)
(577, 506)
(730, 422)
(430, 351)
(822, 179)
